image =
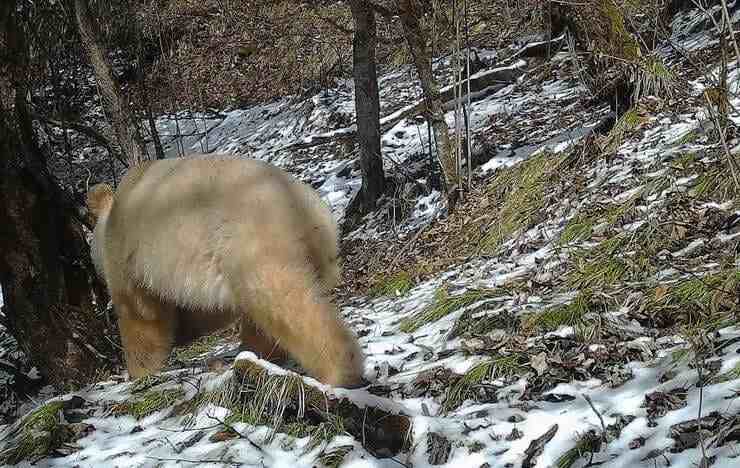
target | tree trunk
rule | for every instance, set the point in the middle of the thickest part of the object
(410, 11)
(122, 119)
(367, 105)
(47, 276)
(156, 141)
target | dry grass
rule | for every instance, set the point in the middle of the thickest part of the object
(705, 301)
(445, 304)
(502, 366)
(523, 190)
(396, 284)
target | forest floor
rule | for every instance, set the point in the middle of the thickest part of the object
(579, 307)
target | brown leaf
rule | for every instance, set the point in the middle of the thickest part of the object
(660, 292)
(222, 436)
(678, 232)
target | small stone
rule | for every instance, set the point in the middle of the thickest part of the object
(515, 418)
(637, 443)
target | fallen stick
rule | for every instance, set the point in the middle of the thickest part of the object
(482, 84)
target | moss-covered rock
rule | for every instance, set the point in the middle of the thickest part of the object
(150, 402)
(36, 435)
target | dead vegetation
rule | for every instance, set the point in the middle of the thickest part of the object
(509, 204)
(444, 304)
(245, 52)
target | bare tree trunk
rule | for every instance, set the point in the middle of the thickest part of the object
(122, 119)
(156, 141)
(367, 107)
(49, 284)
(410, 11)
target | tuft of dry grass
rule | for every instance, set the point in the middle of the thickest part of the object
(445, 304)
(522, 190)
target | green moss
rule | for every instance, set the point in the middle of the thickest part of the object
(397, 284)
(147, 382)
(150, 402)
(522, 189)
(44, 418)
(196, 349)
(443, 305)
(36, 435)
(620, 41)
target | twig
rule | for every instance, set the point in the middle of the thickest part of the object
(601, 420)
(189, 429)
(537, 446)
(83, 129)
(732, 36)
(185, 460)
(720, 131)
(699, 368)
(232, 429)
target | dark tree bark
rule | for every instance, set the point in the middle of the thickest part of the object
(410, 11)
(367, 108)
(156, 141)
(49, 284)
(120, 114)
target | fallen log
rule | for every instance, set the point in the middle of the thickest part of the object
(482, 84)
(286, 397)
(542, 49)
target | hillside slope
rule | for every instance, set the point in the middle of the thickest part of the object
(586, 310)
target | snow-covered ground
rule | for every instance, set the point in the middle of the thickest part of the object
(638, 386)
